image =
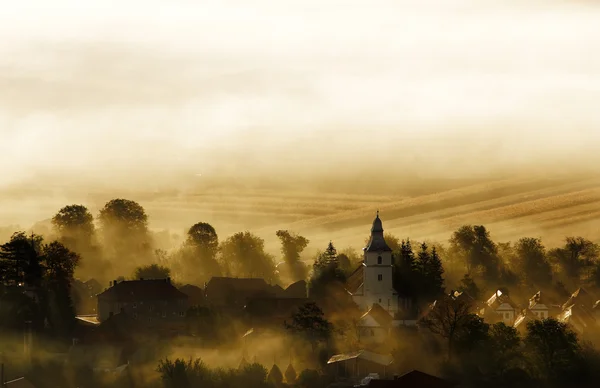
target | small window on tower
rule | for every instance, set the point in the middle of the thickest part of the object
(379, 277)
(379, 260)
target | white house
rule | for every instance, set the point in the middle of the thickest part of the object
(500, 307)
(374, 326)
(372, 282)
(538, 306)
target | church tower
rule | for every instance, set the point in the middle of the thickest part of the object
(377, 272)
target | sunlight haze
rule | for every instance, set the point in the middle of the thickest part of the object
(142, 92)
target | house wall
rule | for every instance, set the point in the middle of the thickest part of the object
(358, 368)
(378, 282)
(148, 310)
(506, 313)
(372, 335)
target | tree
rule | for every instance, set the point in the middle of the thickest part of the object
(203, 237)
(553, 348)
(75, 223)
(405, 270)
(290, 375)
(198, 255)
(291, 246)
(447, 318)
(275, 376)
(475, 247)
(152, 271)
(505, 348)
(21, 261)
(468, 285)
(472, 335)
(124, 226)
(326, 274)
(183, 374)
(59, 265)
(430, 273)
(532, 262)
(310, 324)
(309, 378)
(244, 254)
(577, 255)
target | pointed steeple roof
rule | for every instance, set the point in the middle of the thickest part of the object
(377, 242)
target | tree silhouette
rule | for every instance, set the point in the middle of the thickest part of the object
(447, 317)
(532, 262)
(152, 271)
(310, 324)
(75, 222)
(244, 253)
(124, 226)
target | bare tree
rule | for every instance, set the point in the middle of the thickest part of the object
(447, 317)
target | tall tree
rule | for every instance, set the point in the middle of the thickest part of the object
(474, 245)
(553, 347)
(447, 318)
(75, 225)
(310, 324)
(532, 262)
(292, 246)
(326, 274)
(199, 253)
(21, 260)
(468, 285)
(244, 254)
(430, 273)
(59, 265)
(203, 237)
(124, 226)
(405, 270)
(577, 255)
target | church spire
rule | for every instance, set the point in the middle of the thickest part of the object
(377, 242)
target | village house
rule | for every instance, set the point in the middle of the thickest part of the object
(499, 308)
(412, 379)
(372, 281)
(359, 364)
(374, 326)
(578, 311)
(537, 305)
(233, 293)
(145, 300)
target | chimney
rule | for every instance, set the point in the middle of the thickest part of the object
(141, 278)
(169, 280)
(115, 282)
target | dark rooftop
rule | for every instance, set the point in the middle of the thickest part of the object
(134, 290)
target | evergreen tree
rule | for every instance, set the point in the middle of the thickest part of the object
(435, 274)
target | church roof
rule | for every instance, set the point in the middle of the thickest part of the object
(355, 280)
(377, 242)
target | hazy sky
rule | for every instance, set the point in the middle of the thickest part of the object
(138, 83)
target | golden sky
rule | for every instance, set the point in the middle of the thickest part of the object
(97, 84)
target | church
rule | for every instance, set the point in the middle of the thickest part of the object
(372, 282)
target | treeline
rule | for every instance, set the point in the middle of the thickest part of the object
(118, 244)
(180, 373)
(35, 285)
(548, 353)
